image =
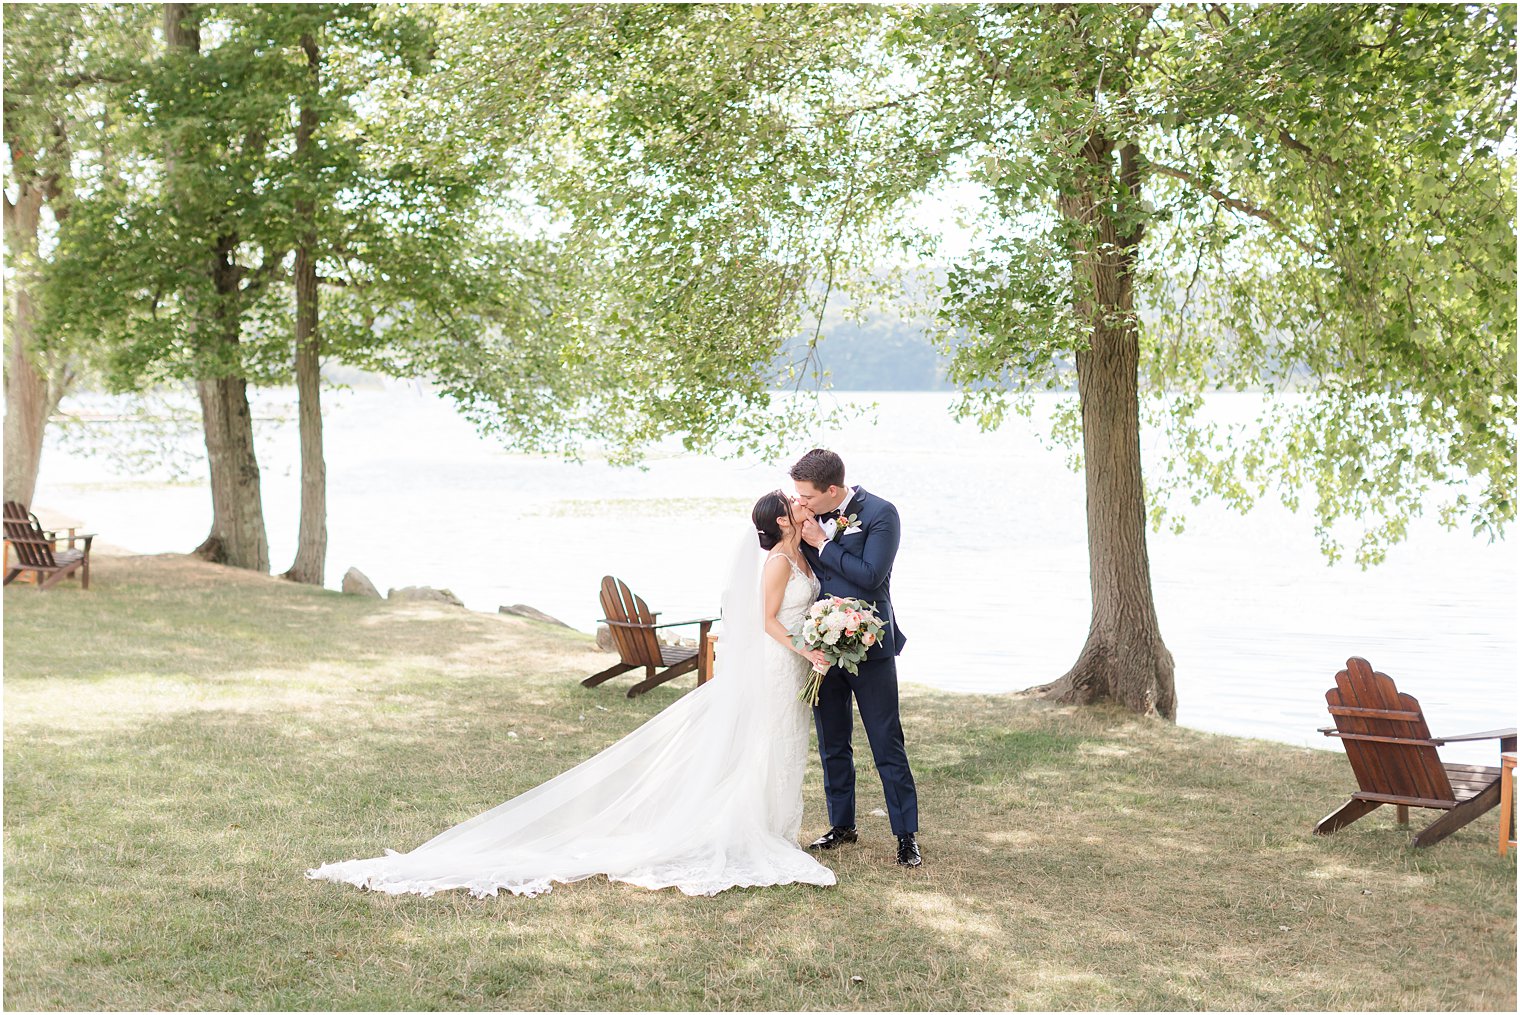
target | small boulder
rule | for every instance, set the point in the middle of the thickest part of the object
(355, 583)
(423, 594)
(529, 613)
(604, 638)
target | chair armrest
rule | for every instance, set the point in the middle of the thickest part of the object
(1485, 735)
(59, 536)
(1327, 730)
(650, 627)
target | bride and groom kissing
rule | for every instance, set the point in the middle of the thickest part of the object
(707, 795)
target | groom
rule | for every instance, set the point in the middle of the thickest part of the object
(850, 541)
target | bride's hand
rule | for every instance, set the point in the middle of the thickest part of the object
(818, 659)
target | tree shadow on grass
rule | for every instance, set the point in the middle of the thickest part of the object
(161, 615)
(1073, 861)
(162, 867)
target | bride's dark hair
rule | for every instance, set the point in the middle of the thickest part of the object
(767, 509)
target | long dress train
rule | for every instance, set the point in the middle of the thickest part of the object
(703, 797)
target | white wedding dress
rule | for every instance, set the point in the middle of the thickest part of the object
(705, 796)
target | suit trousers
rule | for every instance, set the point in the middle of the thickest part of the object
(874, 689)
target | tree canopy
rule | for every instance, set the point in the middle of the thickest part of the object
(1313, 200)
(1323, 196)
(610, 223)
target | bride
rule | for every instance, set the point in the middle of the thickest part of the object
(705, 796)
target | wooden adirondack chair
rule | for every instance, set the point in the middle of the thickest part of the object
(35, 550)
(633, 630)
(1394, 757)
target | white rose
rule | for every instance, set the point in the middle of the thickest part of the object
(831, 638)
(836, 622)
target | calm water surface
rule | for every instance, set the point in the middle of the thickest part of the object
(991, 583)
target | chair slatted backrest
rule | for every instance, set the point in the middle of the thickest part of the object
(639, 647)
(32, 548)
(1387, 741)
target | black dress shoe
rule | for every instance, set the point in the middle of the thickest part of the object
(907, 851)
(833, 837)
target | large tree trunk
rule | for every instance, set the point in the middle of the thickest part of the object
(30, 395)
(311, 543)
(237, 531)
(1124, 659)
(237, 511)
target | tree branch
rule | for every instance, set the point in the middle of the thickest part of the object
(1237, 204)
(52, 181)
(269, 270)
(835, 115)
(1290, 142)
(1132, 166)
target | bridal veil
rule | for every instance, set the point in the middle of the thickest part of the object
(688, 800)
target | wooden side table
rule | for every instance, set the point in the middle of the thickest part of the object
(705, 671)
(1507, 803)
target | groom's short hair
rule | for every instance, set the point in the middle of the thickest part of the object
(821, 468)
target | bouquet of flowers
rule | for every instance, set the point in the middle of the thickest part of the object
(844, 630)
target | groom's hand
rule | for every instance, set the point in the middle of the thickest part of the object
(812, 533)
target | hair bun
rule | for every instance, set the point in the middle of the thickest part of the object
(767, 509)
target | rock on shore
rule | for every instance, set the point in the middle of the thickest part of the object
(356, 583)
(529, 613)
(424, 594)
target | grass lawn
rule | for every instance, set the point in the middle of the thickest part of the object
(183, 741)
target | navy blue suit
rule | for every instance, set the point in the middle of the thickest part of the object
(859, 565)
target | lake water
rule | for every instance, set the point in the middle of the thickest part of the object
(990, 585)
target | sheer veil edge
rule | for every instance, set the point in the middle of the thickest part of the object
(683, 801)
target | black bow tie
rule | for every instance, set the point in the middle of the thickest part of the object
(828, 516)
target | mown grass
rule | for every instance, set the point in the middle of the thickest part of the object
(183, 741)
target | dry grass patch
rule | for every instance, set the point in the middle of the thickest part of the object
(209, 734)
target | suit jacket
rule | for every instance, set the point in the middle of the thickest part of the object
(859, 565)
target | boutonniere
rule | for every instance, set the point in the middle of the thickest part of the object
(846, 524)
